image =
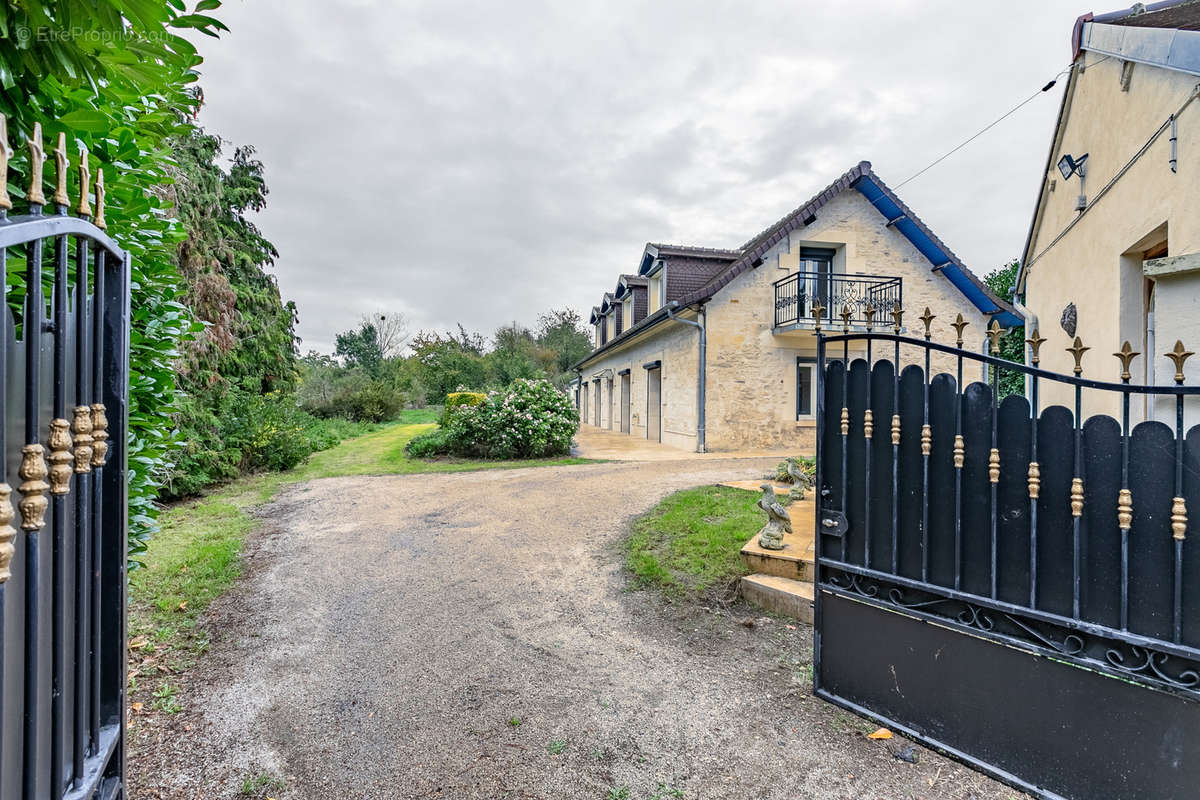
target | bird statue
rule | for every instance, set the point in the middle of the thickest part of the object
(778, 521)
(801, 480)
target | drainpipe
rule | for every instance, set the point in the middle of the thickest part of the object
(701, 380)
(1031, 322)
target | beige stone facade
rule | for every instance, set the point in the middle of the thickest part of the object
(753, 381)
(1122, 246)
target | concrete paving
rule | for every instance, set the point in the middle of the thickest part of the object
(601, 443)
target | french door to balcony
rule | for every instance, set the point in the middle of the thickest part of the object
(816, 264)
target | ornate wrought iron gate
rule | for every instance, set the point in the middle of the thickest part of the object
(1015, 585)
(64, 349)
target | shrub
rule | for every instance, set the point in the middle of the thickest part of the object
(429, 444)
(529, 419)
(457, 400)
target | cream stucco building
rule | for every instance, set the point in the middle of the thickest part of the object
(1114, 244)
(714, 350)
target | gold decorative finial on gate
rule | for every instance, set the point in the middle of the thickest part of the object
(959, 323)
(1077, 350)
(895, 429)
(817, 311)
(84, 209)
(98, 221)
(995, 333)
(1035, 343)
(1035, 480)
(60, 458)
(37, 155)
(1178, 518)
(845, 315)
(1127, 355)
(1125, 509)
(83, 438)
(33, 487)
(845, 421)
(99, 435)
(960, 451)
(926, 437)
(1077, 497)
(61, 164)
(869, 314)
(994, 466)
(868, 424)
(897, 317)
(5, 154)
(1179, 355)
(928, 317)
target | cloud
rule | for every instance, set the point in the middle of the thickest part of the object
(481, 162)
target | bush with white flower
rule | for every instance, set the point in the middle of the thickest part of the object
(529, 419)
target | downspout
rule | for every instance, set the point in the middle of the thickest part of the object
(702, 377)
(1031, 323)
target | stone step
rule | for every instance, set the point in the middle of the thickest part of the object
(794, 561)
(782, 595)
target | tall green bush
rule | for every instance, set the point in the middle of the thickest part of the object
(114, 76)
(529, 419)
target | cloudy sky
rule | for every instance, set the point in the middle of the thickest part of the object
(480, 162)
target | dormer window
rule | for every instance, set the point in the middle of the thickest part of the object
(657, 288)
(627, 311)
(611, 325)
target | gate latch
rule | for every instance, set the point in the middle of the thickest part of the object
(834, 523)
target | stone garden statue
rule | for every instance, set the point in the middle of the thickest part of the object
(800, 479)
(778, 521)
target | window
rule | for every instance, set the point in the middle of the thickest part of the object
(612, 323)
(656, 298)
(806, 373)
(627, 312)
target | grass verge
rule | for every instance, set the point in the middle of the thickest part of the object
(194, 557)
(688, 545)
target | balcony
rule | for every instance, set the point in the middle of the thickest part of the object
(796, 294)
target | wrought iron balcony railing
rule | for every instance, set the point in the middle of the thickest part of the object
(796, 294)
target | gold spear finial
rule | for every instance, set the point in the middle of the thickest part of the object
(845, 315)
(995, 333)
(928, 317)
(1127, 355)
(1077, 350)
(5, 154)
(959, 323)
(869, 314)
(98, 221)
(897, 317)
(1035, 343)
(1179, 354)
(61, 162)
(817, 311)
(37, 155)
(84, 209)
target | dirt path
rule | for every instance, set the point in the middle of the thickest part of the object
(470, 636)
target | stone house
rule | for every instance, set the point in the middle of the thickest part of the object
(714, 350)
(1113, 249)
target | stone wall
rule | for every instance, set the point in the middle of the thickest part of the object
(752, 371)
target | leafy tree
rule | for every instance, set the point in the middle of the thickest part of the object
(563, 332)
(448, 362)
(124, 90)
(360, 348)
(1002, 281)
(247, 350)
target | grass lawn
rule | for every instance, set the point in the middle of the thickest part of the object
(194, 557)
(688, 545)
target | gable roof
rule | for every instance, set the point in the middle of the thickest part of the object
(626, 282)
(1165, 35)
(750, 256)
(899, 216)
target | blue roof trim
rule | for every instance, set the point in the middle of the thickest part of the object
(933, 251)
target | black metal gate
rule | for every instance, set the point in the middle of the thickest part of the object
(1012, 584)
(64, 359)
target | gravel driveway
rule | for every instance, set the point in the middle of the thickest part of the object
(472, 636)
